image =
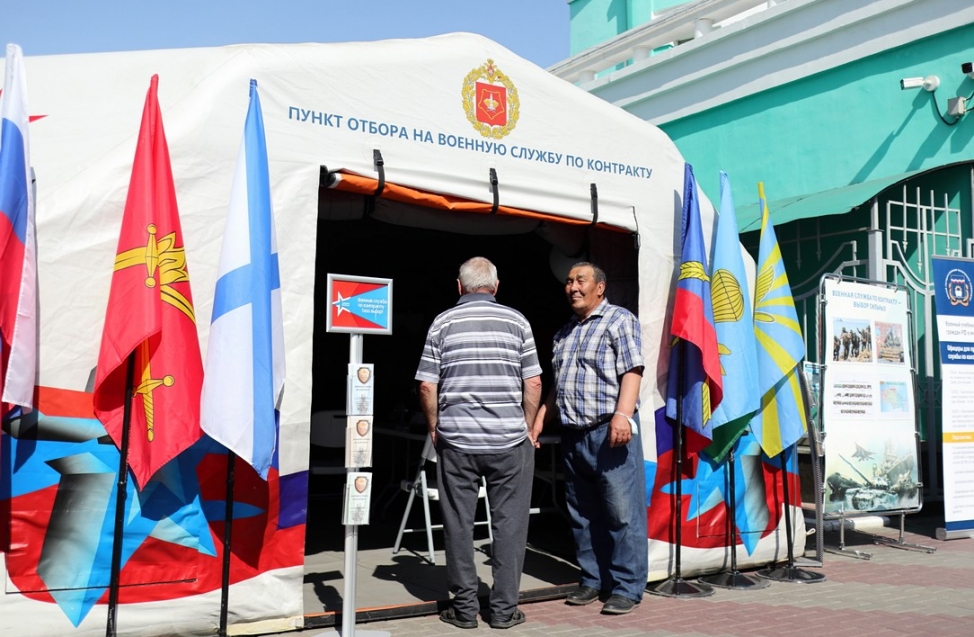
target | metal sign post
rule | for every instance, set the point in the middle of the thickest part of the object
(357, 306)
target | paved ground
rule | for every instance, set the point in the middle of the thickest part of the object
(897, 593)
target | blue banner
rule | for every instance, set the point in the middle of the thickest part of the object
(952, 282)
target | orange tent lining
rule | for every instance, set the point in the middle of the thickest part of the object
(349, 182)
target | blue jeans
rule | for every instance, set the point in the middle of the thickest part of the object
(605, 489)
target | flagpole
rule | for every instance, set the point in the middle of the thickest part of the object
(227, 532)
(123, 452)
(789, 572)
(676, 586)
(734, 578)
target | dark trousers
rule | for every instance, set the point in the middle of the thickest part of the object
(509, 476)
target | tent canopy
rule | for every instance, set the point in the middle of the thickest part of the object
(836, 201)
(448, 115)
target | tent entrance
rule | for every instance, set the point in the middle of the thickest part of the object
(421, 249)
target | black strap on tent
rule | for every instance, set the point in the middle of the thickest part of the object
(595, 203)
(326, 178)
(635, 235)
(379, 164)
(495, 190)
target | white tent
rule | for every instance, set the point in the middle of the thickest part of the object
(324, 105)
(445, 114)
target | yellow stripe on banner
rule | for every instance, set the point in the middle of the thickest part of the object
(959, 436)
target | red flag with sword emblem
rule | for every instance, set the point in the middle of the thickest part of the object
(150, 316)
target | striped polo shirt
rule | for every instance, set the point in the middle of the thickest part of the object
(478, 353)
(589, 359)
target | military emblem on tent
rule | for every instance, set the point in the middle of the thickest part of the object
(490, 101)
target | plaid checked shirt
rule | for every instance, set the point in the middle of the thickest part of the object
(589, 359)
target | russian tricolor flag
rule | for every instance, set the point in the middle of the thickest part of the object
(244, 372)
(18, 247)
(694, 386)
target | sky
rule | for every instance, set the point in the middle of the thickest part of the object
(534, 29)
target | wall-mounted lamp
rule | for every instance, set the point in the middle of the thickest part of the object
(929, 83)
(967, 68)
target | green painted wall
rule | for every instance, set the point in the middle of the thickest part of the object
(843, 126)
(595, 21)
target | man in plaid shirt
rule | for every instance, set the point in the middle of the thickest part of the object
(598, 368)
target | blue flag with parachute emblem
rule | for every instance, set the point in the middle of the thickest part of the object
(733, 320)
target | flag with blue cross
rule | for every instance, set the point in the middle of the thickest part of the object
(244, 371)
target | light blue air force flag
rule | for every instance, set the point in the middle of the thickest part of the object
(244, 371)
(734, 323)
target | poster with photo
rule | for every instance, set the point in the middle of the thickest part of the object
(358, 498)
(889, 342)
(358, 441)
(361, 389)
(868, 404)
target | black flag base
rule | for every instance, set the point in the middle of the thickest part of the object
(679, 587)
(789, 573)
(736, 580)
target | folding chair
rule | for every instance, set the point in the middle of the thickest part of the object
(425, 487)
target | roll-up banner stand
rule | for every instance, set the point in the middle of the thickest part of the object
(955, 329)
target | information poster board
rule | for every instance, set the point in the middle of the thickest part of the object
(955, 328)
(868, 407)
(359, 304)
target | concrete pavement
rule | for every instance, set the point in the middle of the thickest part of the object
(897, 593)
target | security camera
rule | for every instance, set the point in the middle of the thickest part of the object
(967, 68)
(928, 83)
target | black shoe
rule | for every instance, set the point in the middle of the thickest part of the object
(517, 617)
(583, 596)
(450, 616)
(618, 605)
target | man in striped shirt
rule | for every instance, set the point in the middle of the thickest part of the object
(598, 366)
(480, 385)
